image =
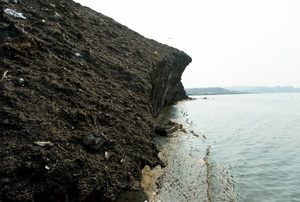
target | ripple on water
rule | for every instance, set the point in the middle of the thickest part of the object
(253, 155)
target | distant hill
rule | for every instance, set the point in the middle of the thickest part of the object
(210, 91)
(240, 90)
(264, 89)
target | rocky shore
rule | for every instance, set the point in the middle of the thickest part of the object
(79, 94)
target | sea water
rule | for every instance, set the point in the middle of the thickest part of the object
(233, 148)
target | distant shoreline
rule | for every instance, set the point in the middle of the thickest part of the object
(240, 90)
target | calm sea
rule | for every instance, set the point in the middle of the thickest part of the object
(233, 148)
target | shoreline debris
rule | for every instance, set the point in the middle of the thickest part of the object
(14, 13)
(4, 75)
(43, 143)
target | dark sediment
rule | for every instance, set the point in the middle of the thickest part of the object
(78, 95)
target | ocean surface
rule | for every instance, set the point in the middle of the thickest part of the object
(233, 148)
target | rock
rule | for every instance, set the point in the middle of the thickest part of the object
(94, 142)
(167, 128)
(5, 121)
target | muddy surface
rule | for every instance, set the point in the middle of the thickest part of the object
(78, 95)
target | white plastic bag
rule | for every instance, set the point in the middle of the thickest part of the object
(16, 14)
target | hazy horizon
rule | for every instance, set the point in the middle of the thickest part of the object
(246, 86)
(232, 43)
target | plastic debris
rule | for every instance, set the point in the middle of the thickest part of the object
(56, 14)
(43, 143)
(21, 82)
(47, 167)
(4, 75)
(77, 54)
(108, 154)
(14, 13)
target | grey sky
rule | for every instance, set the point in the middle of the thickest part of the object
(232, 42)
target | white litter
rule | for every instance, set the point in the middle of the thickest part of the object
(14, 13)
(43, 144)
(77, 54)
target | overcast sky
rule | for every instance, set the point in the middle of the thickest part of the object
(232, 42)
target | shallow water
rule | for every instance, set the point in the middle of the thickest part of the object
(233, 148)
